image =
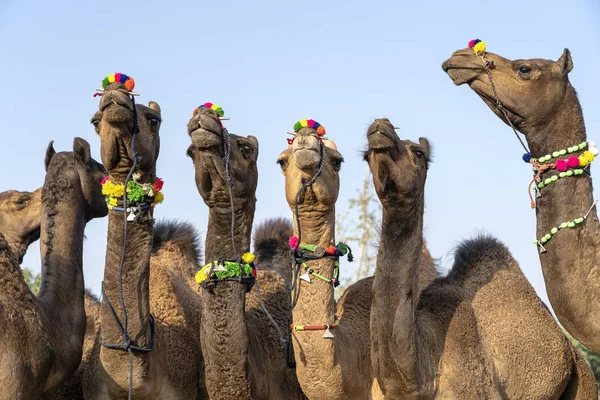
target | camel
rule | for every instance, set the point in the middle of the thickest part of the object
(162, 309)
(41, 337)
(479, 332)
(20, 219)
(327, 368)
(243, 352)
(542, 104)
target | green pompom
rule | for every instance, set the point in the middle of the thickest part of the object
(548, 236)
(548, 157)
(535, 241)
(297, 126)
(571, 224)
(135, 192)
(570, 149)
(578, 220)
(543, 240)
(582, 146)
(564, 225)
(548, 181)
(541, 185)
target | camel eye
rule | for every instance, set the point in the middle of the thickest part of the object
(154, 122)
(419, 154)
(96, 123)
(524, 70)
(246, 150)
(190, 152)
(367, 157)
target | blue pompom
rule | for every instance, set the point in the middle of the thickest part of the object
(527, 157)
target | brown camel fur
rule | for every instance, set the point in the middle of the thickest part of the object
(543, 105)
(41, 337)
(243, 354)
(481, 331)
(174, 368)
(20, 219)
(338, 368)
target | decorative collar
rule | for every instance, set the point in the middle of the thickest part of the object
(226, 270)
(140, 196)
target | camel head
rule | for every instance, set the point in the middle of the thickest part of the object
(399, 167)
(207, 152)
(77, 170)
(301, 161)
(531, 90)
(114, 122)
(20, 214)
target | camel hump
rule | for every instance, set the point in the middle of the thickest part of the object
(480, 258)
(272, 234)
(180, 234)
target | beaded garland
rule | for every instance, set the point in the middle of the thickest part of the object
(127, 81)
(310, 123)
(215, 107)
(477, 45)
(228, 269)
(569, 224)
(136, 193)
(587, 155)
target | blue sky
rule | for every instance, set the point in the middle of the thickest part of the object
(270, 63)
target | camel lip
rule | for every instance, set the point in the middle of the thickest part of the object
(107, 105)
(382, 139)
(205, 139)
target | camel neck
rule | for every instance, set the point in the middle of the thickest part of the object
(224, 335)
(19, 245)
(135, 278)
(315, 356)
(571, 258)
(395, 295)
(61, 293)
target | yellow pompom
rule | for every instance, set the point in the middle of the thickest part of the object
(583, 160)
(589, 156)
(479, 48)
(113, 202)
(248, 258)
(159, 198)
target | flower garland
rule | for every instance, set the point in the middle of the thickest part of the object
(227, 269)
(136, 193)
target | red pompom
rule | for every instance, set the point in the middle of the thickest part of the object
(561, 165)
(158, 184)
(293, 242)
(573, 162)
(331, 250)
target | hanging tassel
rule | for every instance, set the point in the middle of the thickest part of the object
(538, 193)
(541, 248)
(328, 334)
(131, 216)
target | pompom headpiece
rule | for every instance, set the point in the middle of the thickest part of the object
(310, 123)
(477, 45)
(215, 107)
(119, 78)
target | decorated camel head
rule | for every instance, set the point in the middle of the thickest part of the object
(211, 146)
(399, 167)
(20, 214)
(118, 120)
(531, 91)
(310, 156)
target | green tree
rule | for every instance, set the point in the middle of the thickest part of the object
(358, 228)
(591, 358)
(34, 281)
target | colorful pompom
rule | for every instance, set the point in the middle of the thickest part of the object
(159, 198)
(588, 155)
(527, 157)
(583, 161)
(118, 77)
(477, 45)
(215, 107)
(573, 162)
(158, 184)
(331, 250)
(248, 258)
(561, 165)
(293, 242)
(310, 123)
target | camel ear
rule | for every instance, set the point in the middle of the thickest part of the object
(81, 148)
(254, 141)
(565, 62)
(425, 143)
(330, 143)
(50, 152)
(154, 105)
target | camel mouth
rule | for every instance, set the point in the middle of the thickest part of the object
(205, 139)
(382, 139)
(307, 158)
(463, 67)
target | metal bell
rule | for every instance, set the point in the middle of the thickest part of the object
(328, 334)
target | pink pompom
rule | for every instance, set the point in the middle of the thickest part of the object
(573, 162)
(293, 242)
(106, 178)
(561, 165)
